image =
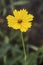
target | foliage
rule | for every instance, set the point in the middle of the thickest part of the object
(11, 51)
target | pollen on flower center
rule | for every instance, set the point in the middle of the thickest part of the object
(19, 21)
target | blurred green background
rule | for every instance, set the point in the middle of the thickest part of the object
(11, 50)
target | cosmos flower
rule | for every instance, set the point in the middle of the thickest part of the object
(21, 20)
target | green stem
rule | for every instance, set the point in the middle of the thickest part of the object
(5, 60)
(23, 47)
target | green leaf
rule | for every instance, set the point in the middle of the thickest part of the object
(4, 48)
(20, 2)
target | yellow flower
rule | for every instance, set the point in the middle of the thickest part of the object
(20, 20)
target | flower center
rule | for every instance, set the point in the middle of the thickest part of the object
(19, 21)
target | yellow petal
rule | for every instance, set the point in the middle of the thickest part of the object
(11, 20)
(23, 29)
(15, 12)
(16, 26)
(30, 17)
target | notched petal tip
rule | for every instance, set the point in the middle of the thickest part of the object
(15, 12)
(31, 15)
(8, 16)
